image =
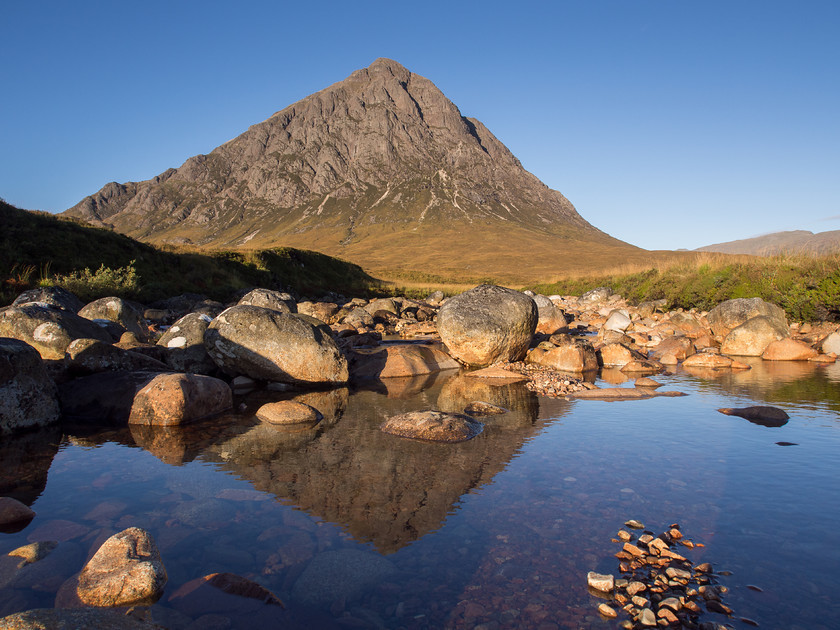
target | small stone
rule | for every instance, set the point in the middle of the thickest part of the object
(667, 615)
(607, 611)
(641, 602)
(645, 538)
(635, 587)
(673, 572)
(703, 568)
(600, 582)
(647, 618)
(634, 524)
(671, 602)
(13, 512)
(624, 535)
(633, 550)
(288, 412)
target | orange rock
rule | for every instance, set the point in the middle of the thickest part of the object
(788, 350)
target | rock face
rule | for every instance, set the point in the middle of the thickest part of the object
(116, 310)
(382, 154)
(753, 336)
(170, 399)
(28, 396)
(185, 344)
(88, 356)
(52, 296)
(268, 345)
(435, 426)
(732, 313)
(47, 329)
(487, 324)
(126, 570)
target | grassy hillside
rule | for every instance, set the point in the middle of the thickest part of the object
(38, 248)
(807, 287)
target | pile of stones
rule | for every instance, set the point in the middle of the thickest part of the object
(545, 381)
(658, 586)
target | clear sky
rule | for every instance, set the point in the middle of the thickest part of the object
(668, 123)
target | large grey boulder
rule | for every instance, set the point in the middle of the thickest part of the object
(117, 310)
(88, 356)
(730, 314)
(47, 329)
(753, 336)
(28, 396)
(487, 324)
(58, 297)
(267, 345)
(275, 300)
(184, 341)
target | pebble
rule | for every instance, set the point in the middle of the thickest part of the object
(607, 611)
(647, 618)
(634, 524)
(604, 583)
(624, 535)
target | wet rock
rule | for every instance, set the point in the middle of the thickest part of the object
(229, 595)
(760, 414)
(753, 336)
(58, 297)
(266, 298)
(788, 350)
(435, 426)
(335, 575)
(634, 524)
(28, 396)
(184, 341)
(397, 360)
(576, 357)
(288, 412)
(47, 329)
(126, 570)
(14, 515)
(713, 361)
(607, 611)
(79, 618)
(647, 382)
(268, 345)
(487, 324)
(481, 408)
(600, 582)
(170, 399)
(731, 314)
(117, 310)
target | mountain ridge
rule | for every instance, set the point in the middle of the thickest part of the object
(379, 160)
(786, 242)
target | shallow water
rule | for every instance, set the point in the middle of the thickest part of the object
(355, 528)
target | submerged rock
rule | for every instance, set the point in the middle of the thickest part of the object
(763, 415)
(435, 426)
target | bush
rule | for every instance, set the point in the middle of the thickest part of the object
(104, 282)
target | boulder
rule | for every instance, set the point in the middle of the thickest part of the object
(575, 357)
(57, 297)
(266, 298)
(14, 514)
(117, 310)
(28, 396)
(184, 341)
(323, 311)
(759, 414)
(434, 426)
(678, 347)
(788, 350)
(170, 399)
(550, 319)
(383, 304)
(618, 320)
(88, 356)
(600, 294)
(288, 412)
(487, 324)
(395, 360)
(48, 329)
(753, 336)
(126, 570)
(618, 355)
(730, 314)
(268, 345)
(831, 344)
(714, 361)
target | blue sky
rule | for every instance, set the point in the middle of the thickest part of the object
(669, 124)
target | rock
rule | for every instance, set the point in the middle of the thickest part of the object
(763, 415)
(47, 329)
(678, 347)
(58, 297)
(105, 398)
(550, 319)
(753, 336)
(345, 574)
(497, 373)
(634, 524)
(643, 366)
(14, 515)
(618, 320)
(618, 355)
(120, 312)
(394, 360)
(487, 324)
(714, 361)
(170, 399)
(731, 314)
(575, 357)
(264, 344)
(607, 611)
(126, 570)
(74, 618)
(323, 311)
(647, 382)
(481, 408)
(831, 344)
(600, 582)
(614, 393)
(596, 295)
(89, 356)
(647, 618)
(435, 426)
(184, 342)
(28, 396)
(266, 298)
(435, 298)
(788, 350)
(382, 304)
(358, 318)
(288, 412)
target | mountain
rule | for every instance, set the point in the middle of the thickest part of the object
(793, 242)
(381, 169)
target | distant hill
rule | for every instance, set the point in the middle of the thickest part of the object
(381, 169)
(33, 244)
(793, 242)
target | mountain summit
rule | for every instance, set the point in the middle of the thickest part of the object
(380, 168)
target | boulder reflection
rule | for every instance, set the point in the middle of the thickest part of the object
(382, 489)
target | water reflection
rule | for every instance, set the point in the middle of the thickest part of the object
(26, 460)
